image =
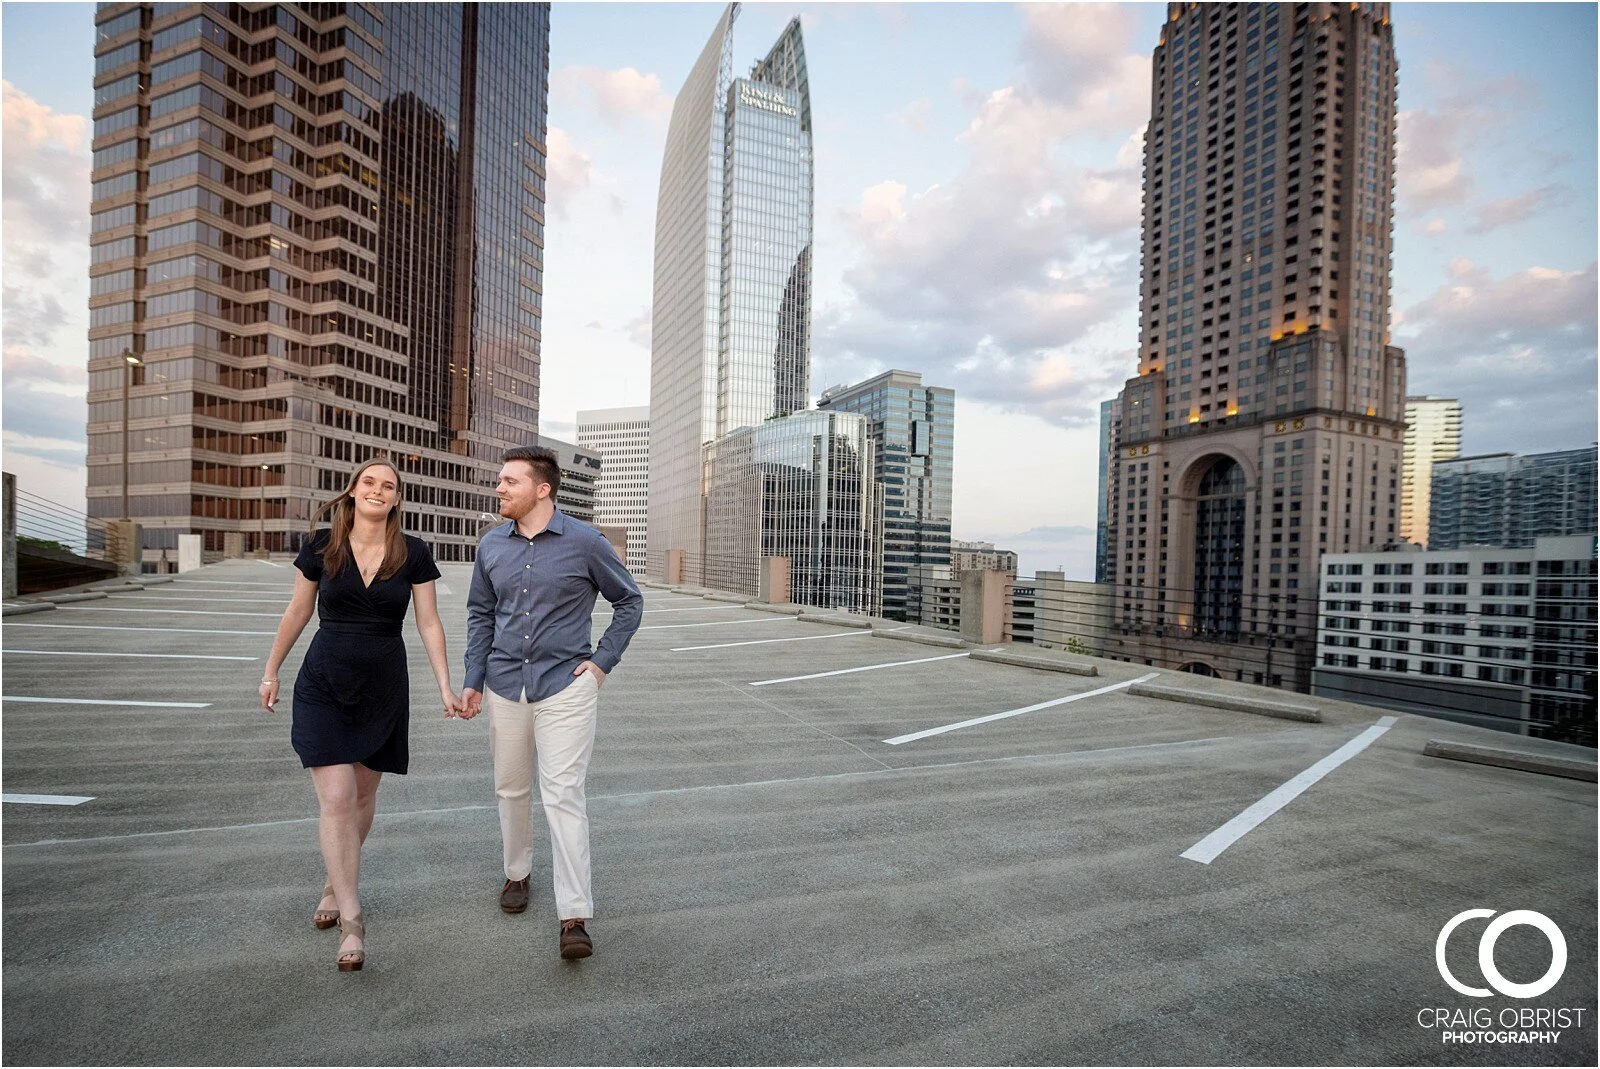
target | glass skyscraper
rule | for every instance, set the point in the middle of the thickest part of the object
(1511, 501)
(731, 316)
(317, 235)
(1433, 433)
(913, 431)
(802, 487)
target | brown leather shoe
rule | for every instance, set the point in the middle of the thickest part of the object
(575, 941)
(514, 895)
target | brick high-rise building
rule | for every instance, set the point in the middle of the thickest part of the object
(318, 235)
(1264, 426)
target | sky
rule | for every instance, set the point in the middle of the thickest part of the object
(977, 220)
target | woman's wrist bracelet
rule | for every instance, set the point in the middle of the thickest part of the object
(272, 681)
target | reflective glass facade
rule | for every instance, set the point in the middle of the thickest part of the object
(320, 228)
(913, 432)
(732, 301)
(802, 487)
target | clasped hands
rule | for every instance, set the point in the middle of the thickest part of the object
(470, 704)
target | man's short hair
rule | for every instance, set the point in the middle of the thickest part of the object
(546, 468)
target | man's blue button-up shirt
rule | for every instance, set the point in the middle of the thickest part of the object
(529, 612)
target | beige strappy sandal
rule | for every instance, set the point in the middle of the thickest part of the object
(325, 918)
(352, 960)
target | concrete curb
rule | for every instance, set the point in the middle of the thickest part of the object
(149, 580)
(1282, 710)
(781, 610)
(732, 599)
(1520, 760)
(1046, 664)
(949, 642)
(65, 599)
(860, 622)
(24, 609)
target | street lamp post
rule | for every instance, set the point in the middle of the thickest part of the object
(262, 543)
(130, 362)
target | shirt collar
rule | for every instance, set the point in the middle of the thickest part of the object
(557, 525)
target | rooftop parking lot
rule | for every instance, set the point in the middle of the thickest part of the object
(811, 844)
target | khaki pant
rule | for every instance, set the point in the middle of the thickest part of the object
(557, 734)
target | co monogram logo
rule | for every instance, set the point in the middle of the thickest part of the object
(1486, 963)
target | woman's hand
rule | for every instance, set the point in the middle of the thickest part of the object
(269, 694)
(452, 704)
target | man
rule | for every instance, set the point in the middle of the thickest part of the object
(529, 661)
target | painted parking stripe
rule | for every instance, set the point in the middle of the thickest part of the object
(764, 641)
(171, 612)
(914, 736)
(101, 701)
(442, 587)
(218, 596)
(721, 623)
(862, 668)
(1206, 850)
(47, 799)
(269, 563)
(227, 583)
(170, 630)
(163, 656)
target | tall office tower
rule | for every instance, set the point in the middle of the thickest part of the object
(317, 235)
(1504, 500)
(1433, 433)
(913, 432)
(798, 486)
(731, 322)
(1106, 468)
(622, 438)
(1264, 426)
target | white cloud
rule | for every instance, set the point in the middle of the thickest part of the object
(638, 329)
(998, 281)
(1518, 350)
(1510, 210)
(618, 97)
(571, 170)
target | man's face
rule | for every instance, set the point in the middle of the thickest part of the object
(518, 490)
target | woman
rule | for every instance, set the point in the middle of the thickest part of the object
(352, 695)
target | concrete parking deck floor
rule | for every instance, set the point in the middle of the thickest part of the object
(775, 883)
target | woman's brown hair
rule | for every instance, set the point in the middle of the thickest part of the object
(341, 513)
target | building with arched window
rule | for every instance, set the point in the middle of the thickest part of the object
(1264, 427)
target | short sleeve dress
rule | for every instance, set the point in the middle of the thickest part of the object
(352, 697)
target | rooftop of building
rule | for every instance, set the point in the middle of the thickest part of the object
(813, 843)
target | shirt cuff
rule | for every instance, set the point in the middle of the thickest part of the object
(475, 681)
(605, 660)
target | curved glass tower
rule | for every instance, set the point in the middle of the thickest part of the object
(731, 339)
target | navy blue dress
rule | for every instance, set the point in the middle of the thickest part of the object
(352, 697)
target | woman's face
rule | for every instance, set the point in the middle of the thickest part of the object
(376, 493)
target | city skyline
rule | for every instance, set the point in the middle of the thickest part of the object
(1019, 153)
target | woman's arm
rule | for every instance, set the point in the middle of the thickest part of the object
(301, 607)
(432, 632)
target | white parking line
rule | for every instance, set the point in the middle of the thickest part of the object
(914, 736)
(171, 612)
(269, 563)
(112, 627)
(442, 587)
(1206, 850)
(863, 668)
(226, 583)
(166, 656)
(720, 623)
(204, 601)
(98, 701)
(764, 641)
(46, 799)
